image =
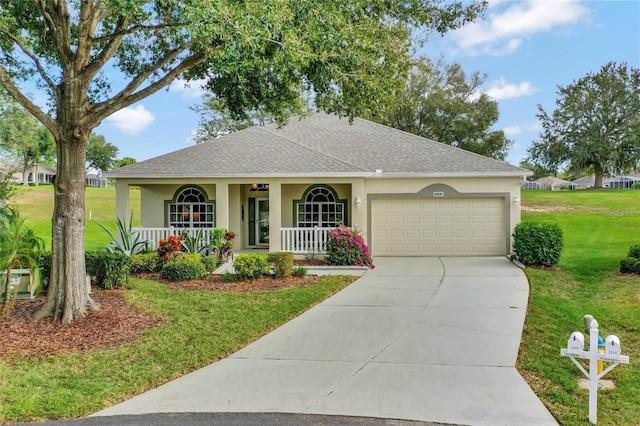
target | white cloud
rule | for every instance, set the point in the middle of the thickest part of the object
(516, 130)
(500, 89)
(512, 130)
(132, 120)
(189, 89)
(503, 32)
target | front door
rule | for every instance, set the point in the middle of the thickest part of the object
(262, 221)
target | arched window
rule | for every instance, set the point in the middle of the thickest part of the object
(320, 207)
(191, 209)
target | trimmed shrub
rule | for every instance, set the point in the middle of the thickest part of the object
(251, 265)
(210, 263)
(630, 265)
(636, 185)
(346, 246)
(228, 277)
(282, 263)
(634, 251)
(108, 270)
(537, 243)
(146, 263)
(184, 268)
(299, 271)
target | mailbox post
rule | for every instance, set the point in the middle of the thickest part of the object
(575, 349)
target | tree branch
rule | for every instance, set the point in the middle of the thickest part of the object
(35, 110)
(58, 30)
(32, 56)
(107, 53)
(132, 30)
(126, 97)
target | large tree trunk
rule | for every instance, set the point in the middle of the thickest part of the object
(599, 175)
(67, 295)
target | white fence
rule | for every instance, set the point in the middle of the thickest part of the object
(156, 234)
(305, 240)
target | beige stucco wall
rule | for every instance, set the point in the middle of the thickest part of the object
(154, 193)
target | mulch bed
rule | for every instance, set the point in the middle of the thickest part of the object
(217, 283)
(116, 323)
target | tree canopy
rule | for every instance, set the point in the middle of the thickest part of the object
(24, 139)
(101, 155)
(125, 161)
(216, 120)
(264, 55)
(595, 126)
(441, 102)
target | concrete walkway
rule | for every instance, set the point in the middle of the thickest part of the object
(431, 339)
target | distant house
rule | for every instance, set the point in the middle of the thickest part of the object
(38, 174)
(624, 182)
(548, 183)
(96, 180)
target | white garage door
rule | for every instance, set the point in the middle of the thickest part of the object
(438, 227)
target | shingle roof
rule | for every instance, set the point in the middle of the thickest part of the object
(319, 145)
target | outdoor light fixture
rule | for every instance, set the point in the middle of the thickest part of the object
(516, 201)
(358, 202)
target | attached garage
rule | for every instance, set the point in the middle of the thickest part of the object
(438, 227)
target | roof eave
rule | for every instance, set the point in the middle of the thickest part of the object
(379, 175)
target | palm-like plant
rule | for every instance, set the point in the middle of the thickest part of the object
(19, 248)
(196, 244)
(130, 241)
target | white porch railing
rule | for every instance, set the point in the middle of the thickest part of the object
(156, 234)
(304, 240)
(296, 240)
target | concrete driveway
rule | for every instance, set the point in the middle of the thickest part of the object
(431, 339)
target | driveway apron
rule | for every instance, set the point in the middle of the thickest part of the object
(432, 339)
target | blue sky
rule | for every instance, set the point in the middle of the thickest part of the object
(526, 48)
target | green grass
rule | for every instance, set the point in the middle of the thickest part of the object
(202, 327)
(36, 206)
(598, 227)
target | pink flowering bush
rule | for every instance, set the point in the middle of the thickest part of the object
(346, 246)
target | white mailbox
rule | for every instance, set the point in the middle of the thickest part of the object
(575, 345)
(612, 349)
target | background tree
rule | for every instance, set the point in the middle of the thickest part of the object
(125, 161)
(595, 127)
(538, 170)
(25, 140)
(216, 120)
(8, 188)
(255, 53)
(101, 155)
(442, 103)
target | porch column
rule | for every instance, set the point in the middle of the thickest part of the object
(275, 216)
(122, 199)
(222, 205)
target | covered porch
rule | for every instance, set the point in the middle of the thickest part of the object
(292, 214)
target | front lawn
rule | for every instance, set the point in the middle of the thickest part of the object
(201, 327)
(599, 227)
(36, 206)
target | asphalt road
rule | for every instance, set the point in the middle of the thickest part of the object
(233, 419)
